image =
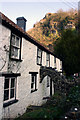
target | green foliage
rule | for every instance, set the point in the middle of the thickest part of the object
(74, 96)
(54, 108)
(63, 22)
(67, 49)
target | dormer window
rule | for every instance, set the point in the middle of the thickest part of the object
(15, 52)
(39, 56)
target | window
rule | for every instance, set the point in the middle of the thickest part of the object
(15, 47)
(48, 81)
(33, 81)
(60, 65)
(47, 60)
(54, 62)
(39, 56)
(9, 89)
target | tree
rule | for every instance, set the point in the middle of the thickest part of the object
(67, 48)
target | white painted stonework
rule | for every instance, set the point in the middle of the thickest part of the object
(28, 64)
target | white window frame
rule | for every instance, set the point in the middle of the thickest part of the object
(15, 85)
(47, 60)
(60, 65)
(48, 81)
(39, 56)
(33, 81)
(15, 47)
(55, 62)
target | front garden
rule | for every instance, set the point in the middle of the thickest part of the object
(58, 107)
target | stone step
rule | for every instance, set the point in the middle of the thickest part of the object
(33, 107)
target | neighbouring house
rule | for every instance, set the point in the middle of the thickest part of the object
(21, 59)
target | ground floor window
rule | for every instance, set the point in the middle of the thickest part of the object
(9, 88)
(33, 81)
(48, 81)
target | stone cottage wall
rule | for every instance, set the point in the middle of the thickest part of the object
(28, 64)
(4, 56)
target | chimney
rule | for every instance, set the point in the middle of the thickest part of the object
(21, 22)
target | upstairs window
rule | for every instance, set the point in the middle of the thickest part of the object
(47, 60)
(15, 52)
(9, 89)
(54, 62)
(39, 56)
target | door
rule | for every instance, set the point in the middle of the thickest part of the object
(48, 87)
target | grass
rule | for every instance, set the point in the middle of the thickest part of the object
(56, 107)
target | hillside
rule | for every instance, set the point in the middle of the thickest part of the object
(48, 29)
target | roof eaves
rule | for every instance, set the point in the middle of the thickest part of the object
(7, 20)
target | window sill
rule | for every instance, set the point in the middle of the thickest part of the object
(14, 59)
(33, 90)
(44, 98)
(39, 64)
(55, 68)
(60, 71)
(9, 103)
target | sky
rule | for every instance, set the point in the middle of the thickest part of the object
(34, 10)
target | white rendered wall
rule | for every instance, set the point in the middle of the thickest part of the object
(4, 47)
(28, 64)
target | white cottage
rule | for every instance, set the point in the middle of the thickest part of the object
(21, 58)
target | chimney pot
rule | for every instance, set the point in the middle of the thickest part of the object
(21, 22)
